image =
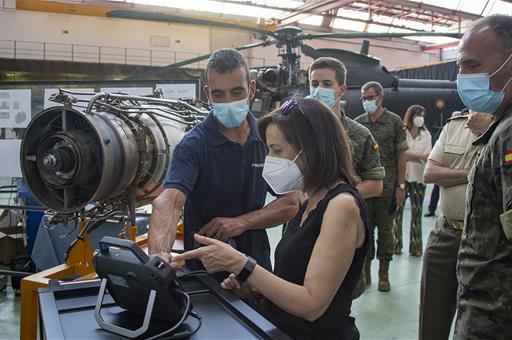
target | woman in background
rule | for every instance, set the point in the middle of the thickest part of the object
(320, 257)
(419, 142)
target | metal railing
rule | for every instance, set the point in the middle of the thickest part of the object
(12, 49)
(7, 4)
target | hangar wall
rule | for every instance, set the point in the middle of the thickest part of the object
(186, 40)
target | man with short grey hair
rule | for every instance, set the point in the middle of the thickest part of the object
(388, 130)
(216, 173)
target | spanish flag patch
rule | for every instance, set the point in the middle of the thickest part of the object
(508, 157)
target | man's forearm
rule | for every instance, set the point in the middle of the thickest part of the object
(162, 231)
(280, 211)
(162, 228)
(445, 177)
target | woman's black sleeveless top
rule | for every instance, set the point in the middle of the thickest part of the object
(291, 261)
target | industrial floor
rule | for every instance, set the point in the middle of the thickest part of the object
(392, 315)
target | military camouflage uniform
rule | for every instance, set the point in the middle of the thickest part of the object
(366, 163)
(484, 267)
(365, 151)
(389, 133)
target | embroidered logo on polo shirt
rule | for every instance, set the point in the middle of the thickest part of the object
(258, 165)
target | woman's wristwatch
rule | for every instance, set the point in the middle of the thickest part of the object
(246, 271)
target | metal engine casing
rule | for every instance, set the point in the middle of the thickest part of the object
(71, 158)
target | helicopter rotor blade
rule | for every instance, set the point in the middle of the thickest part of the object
(196, 59)
(353, 35)
(308, 51)
(162, 17)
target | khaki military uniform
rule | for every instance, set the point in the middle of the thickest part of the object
(389, 133)
(484, 267)
(438, 297)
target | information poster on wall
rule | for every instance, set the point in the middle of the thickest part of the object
(15, 108)
(10, 156)
(132, 91)
(49, 92)
(178, 91)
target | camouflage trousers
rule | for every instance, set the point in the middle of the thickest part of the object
(380, 218)
(416, 193)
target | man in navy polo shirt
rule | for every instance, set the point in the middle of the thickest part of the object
(216, 173)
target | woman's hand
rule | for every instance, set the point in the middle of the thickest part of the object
(216, 256)
(244, 291)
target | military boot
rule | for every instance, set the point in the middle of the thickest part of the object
(384, 285)
(368, 272)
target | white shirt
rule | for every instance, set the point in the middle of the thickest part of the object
(422, 143)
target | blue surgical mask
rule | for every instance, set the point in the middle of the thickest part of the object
(475, 92)
(232, 114)
(370, 106)
(324, 95)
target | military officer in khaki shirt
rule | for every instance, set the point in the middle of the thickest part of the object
(388, 130)
(447, 166)
(484, 265)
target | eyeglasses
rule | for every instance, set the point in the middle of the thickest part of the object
(369, 97)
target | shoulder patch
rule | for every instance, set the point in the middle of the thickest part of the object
(507, 157)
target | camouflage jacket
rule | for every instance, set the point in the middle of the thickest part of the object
(365, 151)
(389, 132)
(484, 267)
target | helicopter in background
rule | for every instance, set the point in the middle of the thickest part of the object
(275, 84)
(279, 82)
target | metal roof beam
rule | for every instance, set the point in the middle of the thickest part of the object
(438, 46)
(437, 9)
(310, 8)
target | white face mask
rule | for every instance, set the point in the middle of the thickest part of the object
(283, 175)
(418, 121)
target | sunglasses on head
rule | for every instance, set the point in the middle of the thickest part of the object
(289, 105)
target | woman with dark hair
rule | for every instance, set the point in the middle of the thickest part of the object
(320, 257)
(419, 142)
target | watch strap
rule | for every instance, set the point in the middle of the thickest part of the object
(247, 270)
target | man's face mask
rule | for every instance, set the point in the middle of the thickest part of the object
(475, 92)
(370, 106)
(232, 114)
(324, 95)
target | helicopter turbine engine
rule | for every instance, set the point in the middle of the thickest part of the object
(116, 152)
